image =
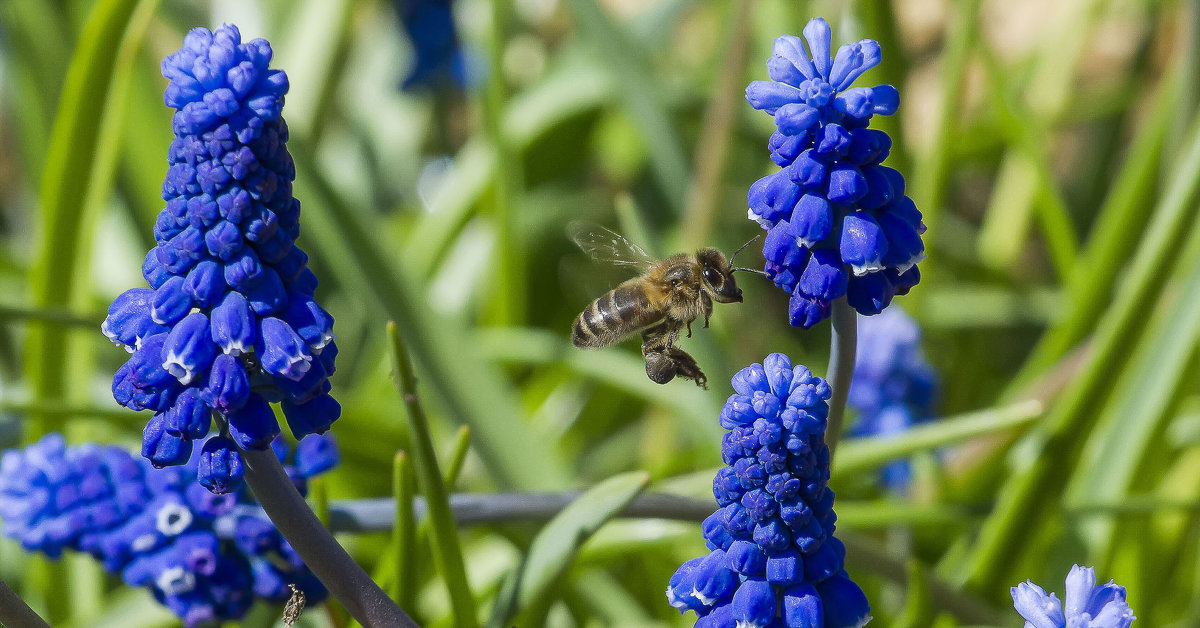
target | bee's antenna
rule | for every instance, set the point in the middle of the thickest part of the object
(750, 270)
(742, 248)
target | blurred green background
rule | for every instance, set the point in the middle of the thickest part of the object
(1050, 145)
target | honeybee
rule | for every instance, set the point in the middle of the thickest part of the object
(662, 301)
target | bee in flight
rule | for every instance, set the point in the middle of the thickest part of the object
(663, 300)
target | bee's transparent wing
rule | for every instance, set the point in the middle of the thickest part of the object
(608, 247)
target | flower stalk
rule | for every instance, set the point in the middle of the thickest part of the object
(346, 581)
(15, 612)
(842, 348)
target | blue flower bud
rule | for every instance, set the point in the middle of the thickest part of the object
(146, 372)
(791, 49)
(317, 454)
(189, 418)
(772, 536)
(162, 448)
(825, 562)
(189, 349)
(171, 302)
(770, 96)
(823, 277)
(153, 271)
(681, 586)
(314, 416)
(796, 118)
(771, 198)
(871, 293)
(885, 100)
(844, 603)
(746, 558)
(204, 283)
(715, 534)
(863, 244)
(750, 379)
(220, 469)
(811, 220)
(808, 172)
(805, 311)
(281, 350)
(721, 616)
(715, 581)
(253, 426)
(785, 568)
(129, 320)
(754, 604)
(228, 385)
(233, 325)
(855, 102)
(802, 607)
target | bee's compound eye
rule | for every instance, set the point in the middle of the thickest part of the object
(711, 276)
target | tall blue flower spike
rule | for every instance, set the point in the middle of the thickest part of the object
(838, 222)
(228, 324)
(1088, 605)
(773, 558)
(893, 386)
(206, 557)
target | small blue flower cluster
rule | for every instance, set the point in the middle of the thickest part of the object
(229, 323)
(838, 222)
(1088, 605)
(893, 386)
(774, 560)
(204, 556)
(439, 59)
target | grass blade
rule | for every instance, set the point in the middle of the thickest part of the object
(447, 554)
(861, 454)
(1030, 488)
(555, 547)
(80, 162)
(404, 534)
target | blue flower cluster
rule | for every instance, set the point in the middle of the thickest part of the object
(893, 386)
(774, 560)
(207, 557)
(838, 222)
(439, 60)
(229, 323)
(1088, 605)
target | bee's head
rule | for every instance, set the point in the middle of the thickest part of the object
(718, 277)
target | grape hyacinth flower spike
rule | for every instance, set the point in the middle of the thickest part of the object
(838, 221)
(1087, 605)
(773, 558)
(228, 324)
(206, 557)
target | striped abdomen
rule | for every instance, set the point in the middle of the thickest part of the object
(615, 315)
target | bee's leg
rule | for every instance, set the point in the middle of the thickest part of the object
(685, 366)
(689, 328)
(674, 335)
(660, 368)
(707, 304)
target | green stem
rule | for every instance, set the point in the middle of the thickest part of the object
(404, 533)
(842, 347)
(447, 554)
